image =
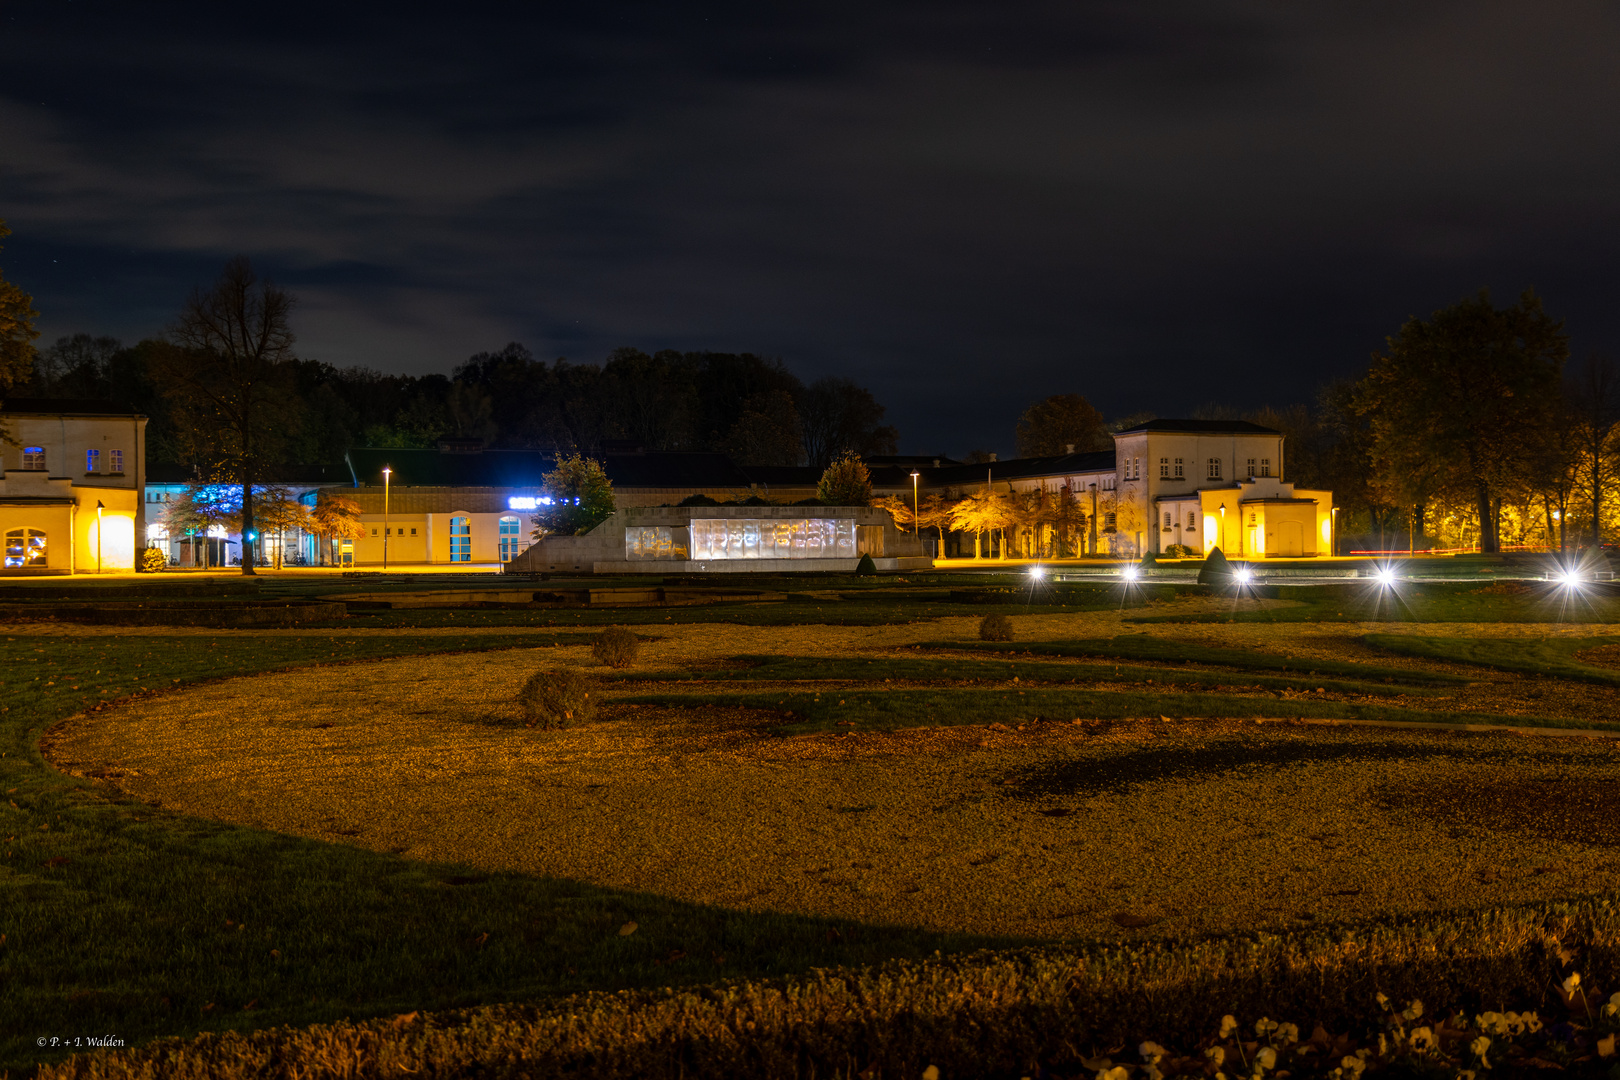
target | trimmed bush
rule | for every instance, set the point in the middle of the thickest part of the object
(152, 560)
(995, 628)
(616, 647)
(1216, 571)
(866, 566)
(558, 698)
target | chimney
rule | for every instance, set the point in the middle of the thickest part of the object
(992, 456)
(936, 463)
(1068, 448)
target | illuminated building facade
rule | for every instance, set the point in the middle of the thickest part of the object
(70, 486)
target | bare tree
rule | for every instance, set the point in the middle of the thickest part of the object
(226, 375)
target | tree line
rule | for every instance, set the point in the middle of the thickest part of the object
(301, 411)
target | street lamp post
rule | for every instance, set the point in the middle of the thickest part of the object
(387, 473)
(915, 524)
(99, 519)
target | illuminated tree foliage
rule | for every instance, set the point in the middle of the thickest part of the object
(983, 511)
(1050, 427)
(581, 498)
(335, 518)
(17, 331)
(1460, 401)
(845, 482)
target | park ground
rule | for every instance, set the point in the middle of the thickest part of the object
(302, 829)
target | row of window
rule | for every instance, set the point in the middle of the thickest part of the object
(34, 460)
(461, 538)
(1192, 520)
(1176, 469)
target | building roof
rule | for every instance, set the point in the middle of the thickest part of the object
(1203, 427)
(527, 468)
(65, 406)
(296, 475)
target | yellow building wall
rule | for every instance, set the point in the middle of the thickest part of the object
(115, 532)
(54, 521)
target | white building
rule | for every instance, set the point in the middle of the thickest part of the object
(70, 485)
(1197, 484)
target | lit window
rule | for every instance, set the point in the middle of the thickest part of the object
(92, 461)
(511, 537)
(460, 539)
(34, 458)
(24, 548)
(1214, 468)
(117, 457)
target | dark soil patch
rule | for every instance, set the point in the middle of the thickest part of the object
(1578, 809)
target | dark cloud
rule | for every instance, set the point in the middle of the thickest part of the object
(965, 206)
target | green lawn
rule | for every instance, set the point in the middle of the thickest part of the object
(1445, 601)
(1146, 647)
(788, 668)
(1534, 656)
(886, 710)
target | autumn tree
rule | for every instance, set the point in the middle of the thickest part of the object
(845, 482)
(17, 331)
(982, 511)
(1466, 393)
(581, 498)
(279, 510)
(1051, 427)
(1594, 406)
(335, 518)
(227, 379)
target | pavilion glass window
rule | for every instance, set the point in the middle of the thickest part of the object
(460, 539)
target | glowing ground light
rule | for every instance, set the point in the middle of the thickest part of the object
(1244, 576)
(1386, 577)
(1570, 579)
(1037, 572)
(1130, 573)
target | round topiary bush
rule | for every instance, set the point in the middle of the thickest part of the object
(152, 560)
(558, 698)
(616, 647)
(995, 628)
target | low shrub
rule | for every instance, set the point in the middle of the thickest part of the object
(866, 566)
(616, 647)
(152, 560)
(995, 628)
(557, 698)
(1178, 551)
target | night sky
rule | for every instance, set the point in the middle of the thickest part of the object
(964, 207)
